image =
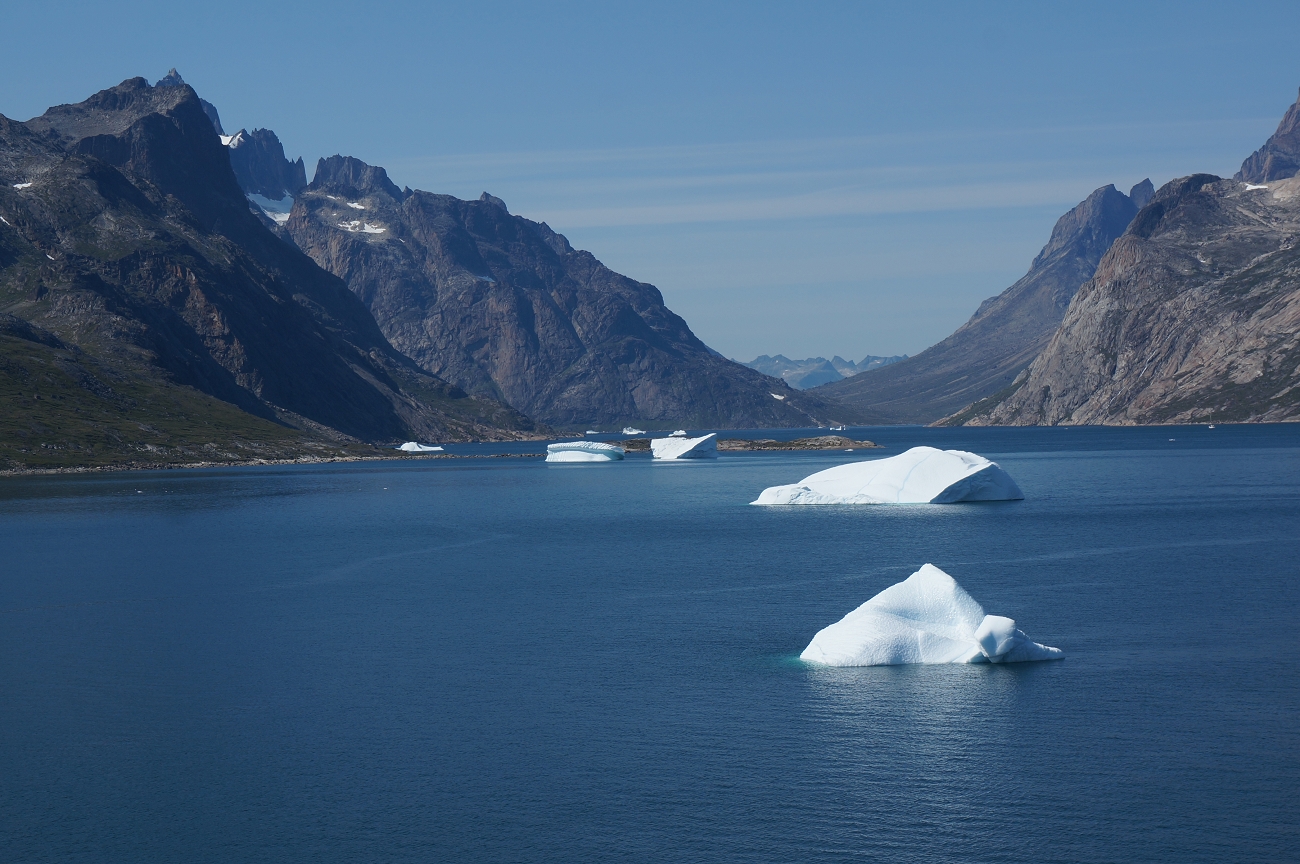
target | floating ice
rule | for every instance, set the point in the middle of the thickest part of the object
(922, 475)
(627, 430)
(583, 451)
(926, 618)
(21, 185)
(678, 446)
(415, 447)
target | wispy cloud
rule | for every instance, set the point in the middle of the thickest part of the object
(966, 170)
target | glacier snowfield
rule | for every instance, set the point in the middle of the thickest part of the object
(496, 659)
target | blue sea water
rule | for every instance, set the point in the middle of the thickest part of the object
(498, 660)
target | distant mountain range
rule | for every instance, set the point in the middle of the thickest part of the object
(814, 371)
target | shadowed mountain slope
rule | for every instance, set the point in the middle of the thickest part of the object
(127, 239)
(502, 305)
(1007, 331)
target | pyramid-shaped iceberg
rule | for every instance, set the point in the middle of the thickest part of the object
(926, 618)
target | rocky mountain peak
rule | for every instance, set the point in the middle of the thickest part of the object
(174, 79)
(1090, 227)
(261, 167)
(492, 199)
(159, 134)
(1279, 158)
(1142, 193)
(171, 79)
(354, 178)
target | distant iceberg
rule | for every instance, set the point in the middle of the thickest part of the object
(583, 451)
(678, 446)
(922, 475)
(628, 430)
(413, 447)
(926, 618)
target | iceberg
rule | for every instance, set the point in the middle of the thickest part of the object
(628, 430)
(583, 451)
(926, 618)
(414, 447)
(922, 475)
(678, 446)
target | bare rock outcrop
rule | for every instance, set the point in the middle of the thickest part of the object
(1193, 315)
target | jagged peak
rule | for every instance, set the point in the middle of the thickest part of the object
(1279, 158)
(350, 174)
(492, 199)
(1142, 192)
(171, 79)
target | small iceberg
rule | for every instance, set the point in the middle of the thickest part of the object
(926, 618)
(678, 446)
(628, 430)
(922, 475)
(583, 451)
(414, 447)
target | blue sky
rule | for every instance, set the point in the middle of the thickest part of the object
(837, 178)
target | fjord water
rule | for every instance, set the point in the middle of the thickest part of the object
(495, 659)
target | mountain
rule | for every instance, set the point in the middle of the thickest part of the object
(505, 307)
(1279, 158)
(261, 167)
(1004, 335)
(134, 277)
(803, 374)
(1193, 316)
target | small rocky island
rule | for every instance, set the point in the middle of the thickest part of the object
(821, 442)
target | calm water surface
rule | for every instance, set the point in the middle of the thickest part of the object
(493, 659)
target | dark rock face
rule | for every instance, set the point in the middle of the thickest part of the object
(1193, 315)
(260, 165)
(1142, 193)
(131, 241)
(173, 79)
(501, 305)
(1004, 335)
(1279, 158)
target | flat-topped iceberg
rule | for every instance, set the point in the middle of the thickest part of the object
(922, 475)
(926, 618)
(583, 451)
(679, 446)
(416, 447)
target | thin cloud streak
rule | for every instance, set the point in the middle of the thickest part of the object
(826, 203)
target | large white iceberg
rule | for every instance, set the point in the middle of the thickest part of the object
(416, 447)
(922, 475)
(926, 618)
(679, 446)
(583, 451)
